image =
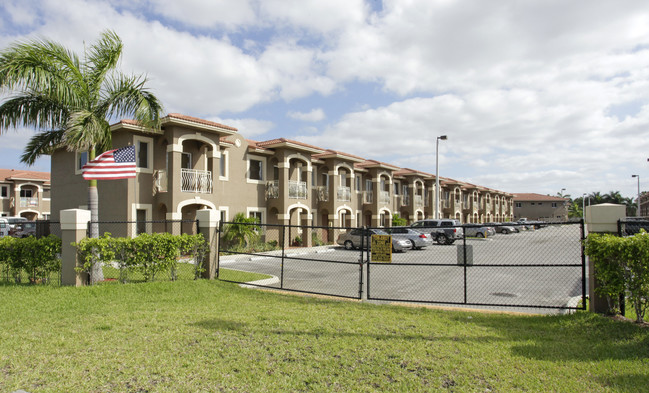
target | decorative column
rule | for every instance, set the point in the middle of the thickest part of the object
(74, 225)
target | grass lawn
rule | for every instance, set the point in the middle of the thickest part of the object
(193, 336)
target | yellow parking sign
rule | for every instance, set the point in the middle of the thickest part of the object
(381, 248)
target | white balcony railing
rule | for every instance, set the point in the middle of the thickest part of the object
(194, 180)
(297, 189)
(384, 197)
(344, 194)
(272, 189)
(28, 202)
(405, 200)
(368, 197)
(419, 201)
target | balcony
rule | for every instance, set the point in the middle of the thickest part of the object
(384, 197)
(322, 194)
(272, 189)
(344, 194)
(194, 180)
(368, 197)
(28, 202)
(419, 201)
(297, 189)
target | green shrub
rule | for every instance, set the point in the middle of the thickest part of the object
(621, 266)
(37, 257)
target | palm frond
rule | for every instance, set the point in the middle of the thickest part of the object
(85, 130)
(103, 57)
(43, 143)
(45, 67)
(32, 110)
(126, 96)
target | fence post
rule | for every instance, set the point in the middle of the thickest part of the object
(208, 221)
(602, 218)
(74, 225)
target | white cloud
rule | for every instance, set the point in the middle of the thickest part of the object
(314, 115)
(213, 13)
(247, 127)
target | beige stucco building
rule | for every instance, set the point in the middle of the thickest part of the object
(24, 194)
(540, 207)
(193, 164)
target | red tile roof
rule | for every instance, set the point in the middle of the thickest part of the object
(13, 174)
(522, 197)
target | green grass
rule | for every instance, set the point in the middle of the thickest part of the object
(192, 336)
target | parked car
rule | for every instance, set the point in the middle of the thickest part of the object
(4, 227)
(504, 228)
(353, 239)
(535, 224)
(417, 240)
(478, 230)
(24, 229)
(445, 231)
(13, 221)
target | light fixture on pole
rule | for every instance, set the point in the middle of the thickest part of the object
(442, 137)
(637, 213)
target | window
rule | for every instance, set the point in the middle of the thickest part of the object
(256, 170)
(519, 204)
(368, 185)
(223, 165)
(142, 154)
(540, 203)
(82, 159)
(140, 218)
(554, 204)
(314, 176)
(185, 160)
(532, 203)
(222, 215)
(27, 193)
(325, 179)
(358, 183)
(4, 191)
(257, 216)
(396, 188)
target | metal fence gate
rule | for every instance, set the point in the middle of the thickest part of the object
(542, 267)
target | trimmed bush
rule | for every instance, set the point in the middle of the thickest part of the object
(36, 257)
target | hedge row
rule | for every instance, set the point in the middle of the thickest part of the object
(37, 257)
(148, 254)
(621, 267)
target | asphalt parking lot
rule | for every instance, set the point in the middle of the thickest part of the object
(534, 268)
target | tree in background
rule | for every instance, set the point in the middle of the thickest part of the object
(241, 231)
(397, 221)
(71, 100)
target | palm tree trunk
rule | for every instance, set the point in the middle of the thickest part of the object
(97, 272)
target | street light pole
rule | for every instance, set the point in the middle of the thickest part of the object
(583, 206)
(442, 137)
(637, 213)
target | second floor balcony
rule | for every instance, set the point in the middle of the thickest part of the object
(322, 194)
(384, 197)
(344, 194)
(28, 202)
(297, 189)
(419, 201)
(194, 180)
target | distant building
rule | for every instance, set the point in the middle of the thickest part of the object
(24, 194)
(644, 204)
(540, 207)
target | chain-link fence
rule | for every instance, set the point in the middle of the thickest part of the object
(293, 258)
(537, 265)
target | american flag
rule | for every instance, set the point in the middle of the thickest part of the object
(111, 165)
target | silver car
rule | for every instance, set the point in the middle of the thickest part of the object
(353, 239)
(477, 230)
(416, 239)
(505, 228)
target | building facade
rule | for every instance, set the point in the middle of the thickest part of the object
(24, 194)
(193, 164)
(540, 207)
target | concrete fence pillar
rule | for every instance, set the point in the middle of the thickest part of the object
(74, 225)
(601, 218)
(208, 222)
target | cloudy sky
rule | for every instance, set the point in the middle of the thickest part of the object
(535, 96)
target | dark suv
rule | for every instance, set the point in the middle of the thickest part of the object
(445, 231)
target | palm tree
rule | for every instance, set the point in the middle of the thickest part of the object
(241, 231)
(70, 101)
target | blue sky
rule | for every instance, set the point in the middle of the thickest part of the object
(534, 96)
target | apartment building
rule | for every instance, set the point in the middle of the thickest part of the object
(24, 194)
(193, 164)
(540, 207)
